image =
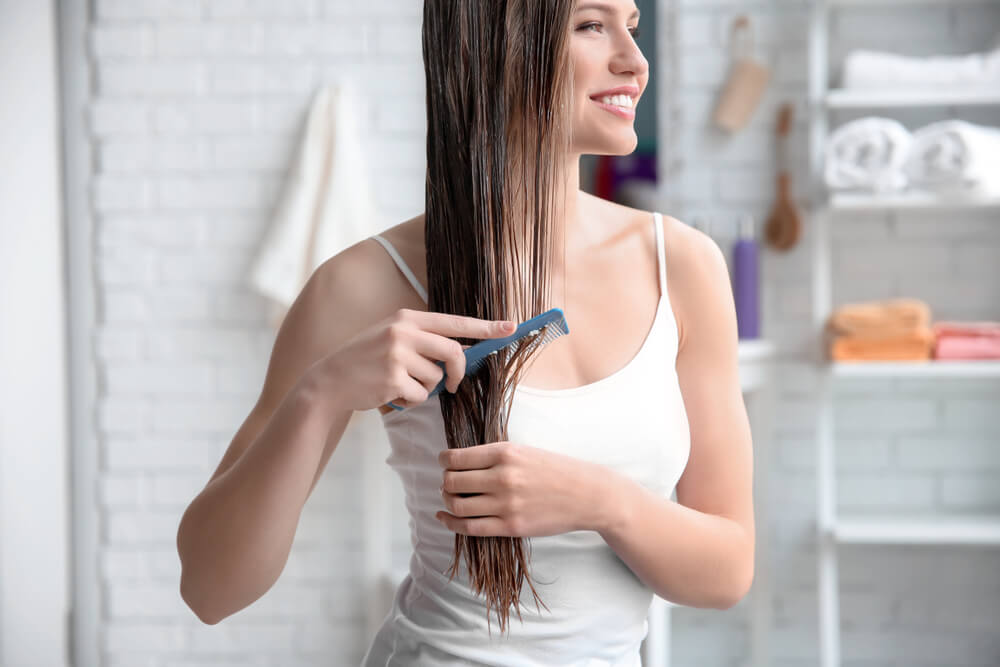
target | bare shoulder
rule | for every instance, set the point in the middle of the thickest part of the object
(360, 285)
(348, 292)
(697, 274)
(345, 294)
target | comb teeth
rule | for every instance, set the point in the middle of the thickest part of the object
(549, 333)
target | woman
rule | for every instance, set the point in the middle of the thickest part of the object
(642, 398)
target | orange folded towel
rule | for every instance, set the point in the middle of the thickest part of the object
(892, 317)
(916, 345)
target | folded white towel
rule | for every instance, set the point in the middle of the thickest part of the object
(325, 205)
(867, 154)
(955, 156)
(877, 69)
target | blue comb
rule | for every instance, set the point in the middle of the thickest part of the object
(552, 322)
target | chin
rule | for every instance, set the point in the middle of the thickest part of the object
(614, 145)
(620, 148)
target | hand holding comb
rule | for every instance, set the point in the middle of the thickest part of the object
(551, 324)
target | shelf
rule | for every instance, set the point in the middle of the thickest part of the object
(848, 98)
(911, 200)
(755, 349)
(755, 355)
(916, 369)
(963, 529)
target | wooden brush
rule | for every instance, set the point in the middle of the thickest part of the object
(784, 225)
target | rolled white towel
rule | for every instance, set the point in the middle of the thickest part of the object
(877, 69)
(867, 154)
(955, 156)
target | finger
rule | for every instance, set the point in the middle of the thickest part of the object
(412, 393)
(459, 326)
(471, 458)
(437, 348)
(481, 504)
(469, 481)
(487, 526)
(424, 371)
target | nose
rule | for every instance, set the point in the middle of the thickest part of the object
(629, 60)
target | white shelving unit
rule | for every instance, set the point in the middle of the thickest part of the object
(888, 99)
(914, 200)
(834, 530)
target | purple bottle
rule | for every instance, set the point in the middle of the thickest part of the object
(745, 281)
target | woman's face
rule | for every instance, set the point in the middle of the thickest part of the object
(605, 56)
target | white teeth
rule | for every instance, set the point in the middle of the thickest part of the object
(618, 101)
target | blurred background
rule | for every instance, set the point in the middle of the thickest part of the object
(173, 170)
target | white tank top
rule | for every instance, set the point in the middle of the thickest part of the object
(632, 421)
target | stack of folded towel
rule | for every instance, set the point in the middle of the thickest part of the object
(967, 340)
(879, 155)
(877, 69)
(886, 330)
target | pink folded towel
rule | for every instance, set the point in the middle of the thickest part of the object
(967, 347)
(966, 329)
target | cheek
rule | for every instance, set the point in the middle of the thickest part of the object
(581, 85)
(586, 69)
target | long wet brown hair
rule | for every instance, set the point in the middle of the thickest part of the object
(499, 97)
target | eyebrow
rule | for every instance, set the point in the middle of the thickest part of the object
(604, 8)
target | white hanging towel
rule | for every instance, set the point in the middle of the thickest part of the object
(957, 157)
(325, 205)
(867, 154)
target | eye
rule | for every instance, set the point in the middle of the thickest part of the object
(593, 24)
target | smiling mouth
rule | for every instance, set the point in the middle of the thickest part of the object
(620, 101)
(623, 112)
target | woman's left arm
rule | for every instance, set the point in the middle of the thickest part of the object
(698, 551)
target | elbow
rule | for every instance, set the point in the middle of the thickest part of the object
(191, 592)
(196, 605)
(743, 582)
(735, 597)
(194, 596)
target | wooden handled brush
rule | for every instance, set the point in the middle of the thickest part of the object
(784, 225)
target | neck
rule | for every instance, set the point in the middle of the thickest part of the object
(567, 214)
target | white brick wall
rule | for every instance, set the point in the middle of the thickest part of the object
(195, 111)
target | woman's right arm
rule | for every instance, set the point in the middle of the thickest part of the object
(235, 536)
(343, 346)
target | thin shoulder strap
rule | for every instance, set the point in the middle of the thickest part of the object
(396, 257)
(661, 255)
